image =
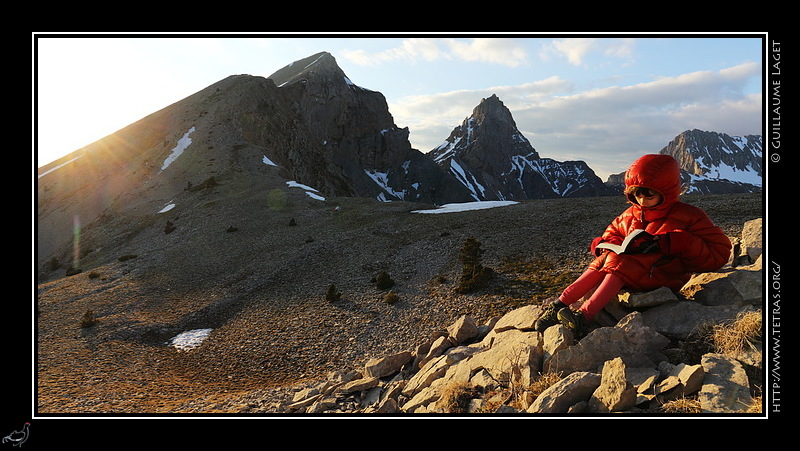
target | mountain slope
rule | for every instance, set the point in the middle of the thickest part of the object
(489, 155)
(307, 123)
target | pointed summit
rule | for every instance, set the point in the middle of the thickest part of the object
(490, 156)
(488, 133)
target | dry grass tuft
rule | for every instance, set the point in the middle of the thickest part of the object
(731, 339)
(456, 398)
(543, 382)
(755, 407)
(681, 405)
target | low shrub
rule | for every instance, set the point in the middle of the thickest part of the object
(332, 294)
(383, 281)
(474, 275)
(392, 298)
(169, 227)
(88, 319)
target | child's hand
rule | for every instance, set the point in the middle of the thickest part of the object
(646, 243)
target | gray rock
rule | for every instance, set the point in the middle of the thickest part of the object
(725, 387)
(615, 393)
(558, 398)
(680, 319)
(644, 299)
(385, 366)
(631, 339)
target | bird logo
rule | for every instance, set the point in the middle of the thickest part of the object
(17, 438)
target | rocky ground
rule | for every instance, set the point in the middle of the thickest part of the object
(272, 327)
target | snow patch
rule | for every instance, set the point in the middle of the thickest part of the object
(186, 341)
(310, 192)
(268, 162)
(467, 179)
(167, 208)
(382, 180)
(467, 206)
(183, 143)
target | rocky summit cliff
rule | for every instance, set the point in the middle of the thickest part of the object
(491, 157)
(350, 144)
(714, 162)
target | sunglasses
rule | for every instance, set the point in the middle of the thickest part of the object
(643, 192)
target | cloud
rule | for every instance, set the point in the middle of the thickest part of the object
(507, 52)
(576, 50)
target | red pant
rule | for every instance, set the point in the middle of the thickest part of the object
(608, 285)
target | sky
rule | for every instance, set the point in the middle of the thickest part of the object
(602, 98)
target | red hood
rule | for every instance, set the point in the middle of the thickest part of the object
(657, 172)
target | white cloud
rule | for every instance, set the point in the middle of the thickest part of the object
(576, 50)
(507, 52)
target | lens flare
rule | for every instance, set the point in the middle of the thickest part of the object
(76, 242)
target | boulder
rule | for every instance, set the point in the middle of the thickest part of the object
(385, 366)
(680, 319)
(615, 393)
(631, 340)
(558, 398)
(725, 387)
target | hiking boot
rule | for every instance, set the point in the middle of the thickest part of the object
(574, 321)
(549, 316)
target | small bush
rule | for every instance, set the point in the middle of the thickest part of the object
(729, 338)
(474, 275)
(732, 339)
(392, 298)
(383, 281)
(169, 228)
(332, 295)
(88, 319)
(681, 405)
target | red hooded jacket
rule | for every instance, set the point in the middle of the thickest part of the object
(688, 241)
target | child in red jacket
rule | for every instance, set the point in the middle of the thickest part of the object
(679, 240)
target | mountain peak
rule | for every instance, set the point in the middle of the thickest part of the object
(718, 162)
(299, 69)
(488, 133)
(489, 155)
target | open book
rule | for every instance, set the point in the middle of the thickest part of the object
(622, 247)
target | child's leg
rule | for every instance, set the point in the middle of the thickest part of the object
(608, 288)
(590, 279)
